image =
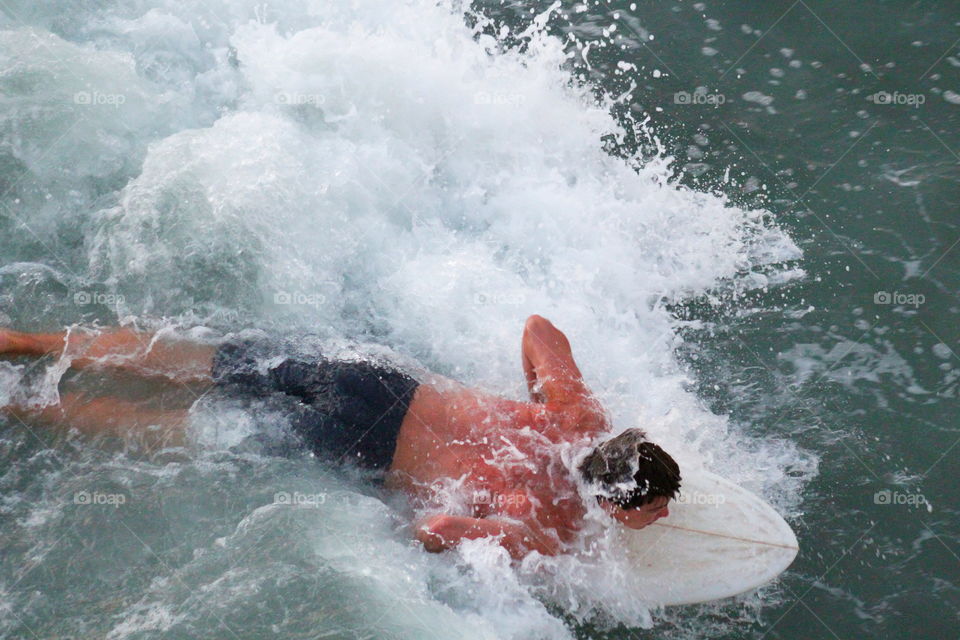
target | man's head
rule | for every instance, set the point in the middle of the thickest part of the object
(632, 478)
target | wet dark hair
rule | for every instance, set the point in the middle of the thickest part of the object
(630, 471)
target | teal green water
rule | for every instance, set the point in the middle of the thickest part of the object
(375, 172)
(870, 190)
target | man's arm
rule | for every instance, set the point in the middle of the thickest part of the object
(553, 378)
(441, 532)
(552, 375)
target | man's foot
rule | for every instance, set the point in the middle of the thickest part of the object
(19, 343)
(11, 342)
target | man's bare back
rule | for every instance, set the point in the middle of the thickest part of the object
(506, 453)
(501, 458)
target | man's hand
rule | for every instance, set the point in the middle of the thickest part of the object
(441, 532)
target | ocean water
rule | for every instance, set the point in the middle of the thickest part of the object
(740, 215)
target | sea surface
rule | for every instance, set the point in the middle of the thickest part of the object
(744, 216)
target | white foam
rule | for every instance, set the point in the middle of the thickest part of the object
(381, 172)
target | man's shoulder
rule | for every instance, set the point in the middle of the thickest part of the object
(582, 417)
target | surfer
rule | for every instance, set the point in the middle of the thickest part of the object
(478, 465)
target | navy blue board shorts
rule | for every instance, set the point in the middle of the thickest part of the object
(350, 410)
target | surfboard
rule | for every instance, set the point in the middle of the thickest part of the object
(719, 540)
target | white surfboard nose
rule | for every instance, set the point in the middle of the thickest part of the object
(719, 540)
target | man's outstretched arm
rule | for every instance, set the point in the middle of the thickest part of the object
(441, 532)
